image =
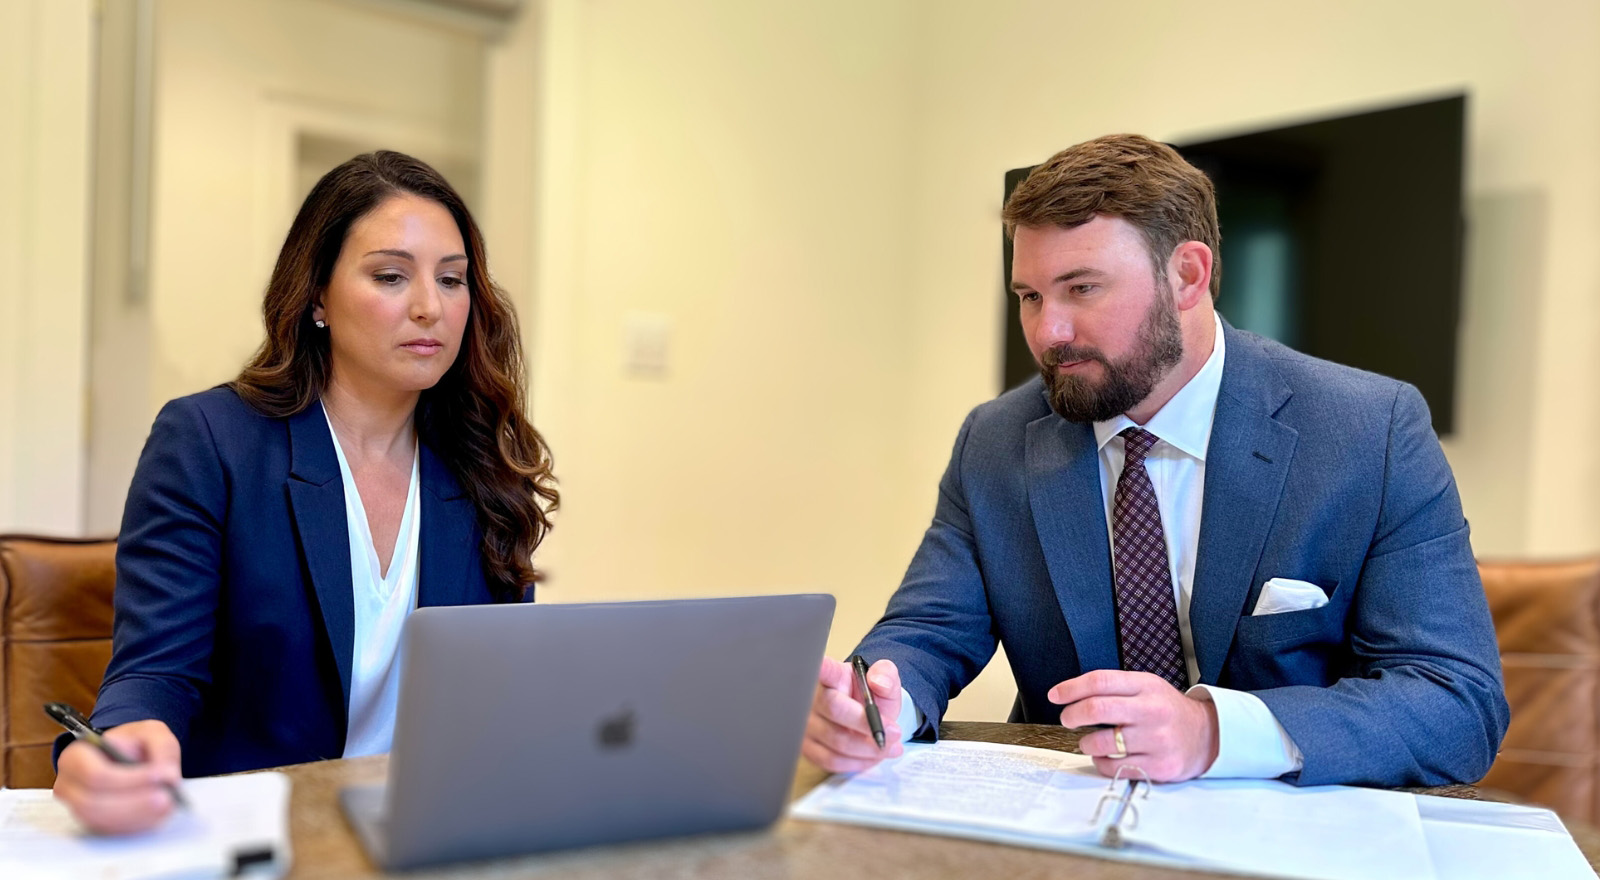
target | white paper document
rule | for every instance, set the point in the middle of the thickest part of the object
(1048, 799)
(1480, 839)
(233, 823)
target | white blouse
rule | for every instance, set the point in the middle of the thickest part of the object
(382, 601)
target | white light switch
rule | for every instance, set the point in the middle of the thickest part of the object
(646, 344)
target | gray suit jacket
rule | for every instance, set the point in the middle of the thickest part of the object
(1315, 472)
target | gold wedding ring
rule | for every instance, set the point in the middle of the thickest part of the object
(1122, 747)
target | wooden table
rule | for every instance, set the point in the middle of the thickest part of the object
(324, 846)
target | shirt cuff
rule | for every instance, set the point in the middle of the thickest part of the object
(1251, 744)
(910, 718)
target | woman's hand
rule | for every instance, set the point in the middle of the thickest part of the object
(112, 798)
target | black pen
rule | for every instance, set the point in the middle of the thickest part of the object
(874, 720)
(79, 726)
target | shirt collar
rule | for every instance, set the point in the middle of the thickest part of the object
(1185, 421)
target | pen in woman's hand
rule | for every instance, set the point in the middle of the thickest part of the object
(874, 720)
(79, 726)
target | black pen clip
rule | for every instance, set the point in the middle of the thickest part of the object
(68, 717)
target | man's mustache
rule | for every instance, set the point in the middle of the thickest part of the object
(1067, 354)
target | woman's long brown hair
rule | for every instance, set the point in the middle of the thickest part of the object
(473, 418)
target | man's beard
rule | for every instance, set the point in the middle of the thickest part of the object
(1158, 348)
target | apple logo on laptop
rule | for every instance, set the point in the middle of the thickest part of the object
(616, 731)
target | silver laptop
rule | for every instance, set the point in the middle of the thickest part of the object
(534, 727)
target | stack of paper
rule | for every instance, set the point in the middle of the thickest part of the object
(234, 825)
(1047, 799)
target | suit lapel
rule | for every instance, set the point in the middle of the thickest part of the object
(447, 544)
(316, 497)
(1063, 465)
(1247, 463)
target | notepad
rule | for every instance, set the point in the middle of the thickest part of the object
(235, 826)
(1055, 800)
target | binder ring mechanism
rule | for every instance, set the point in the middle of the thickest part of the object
(1124, 813)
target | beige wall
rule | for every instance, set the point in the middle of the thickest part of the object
(737, 171)
(45, 95)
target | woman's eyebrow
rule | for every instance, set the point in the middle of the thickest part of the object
(393, 252)
(407, 255)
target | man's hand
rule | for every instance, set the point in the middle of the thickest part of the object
(111, 798)
(837, 737)
(1169, 736)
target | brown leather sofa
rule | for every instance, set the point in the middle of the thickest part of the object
(1547, 619)
(55, 641)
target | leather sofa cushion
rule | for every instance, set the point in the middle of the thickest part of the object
(1547, 621)
(55, 641)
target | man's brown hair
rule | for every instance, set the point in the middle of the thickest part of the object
(1129, 176)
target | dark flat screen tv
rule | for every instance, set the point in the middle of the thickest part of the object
(1341, 238)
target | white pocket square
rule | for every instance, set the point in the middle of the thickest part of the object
(1286, 594)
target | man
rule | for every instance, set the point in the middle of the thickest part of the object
(1242, 560)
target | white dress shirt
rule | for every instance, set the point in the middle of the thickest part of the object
(1251, 742)
(382, 601)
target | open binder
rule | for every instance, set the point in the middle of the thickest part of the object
(1055, 800)
(235, 826)
(1120, 812)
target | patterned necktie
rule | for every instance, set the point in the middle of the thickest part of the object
(1147, 612)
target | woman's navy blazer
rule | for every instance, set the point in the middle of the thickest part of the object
(234, 618)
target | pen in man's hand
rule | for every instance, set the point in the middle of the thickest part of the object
(874, 720)
(79, 726)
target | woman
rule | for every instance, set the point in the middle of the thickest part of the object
(372, 458)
